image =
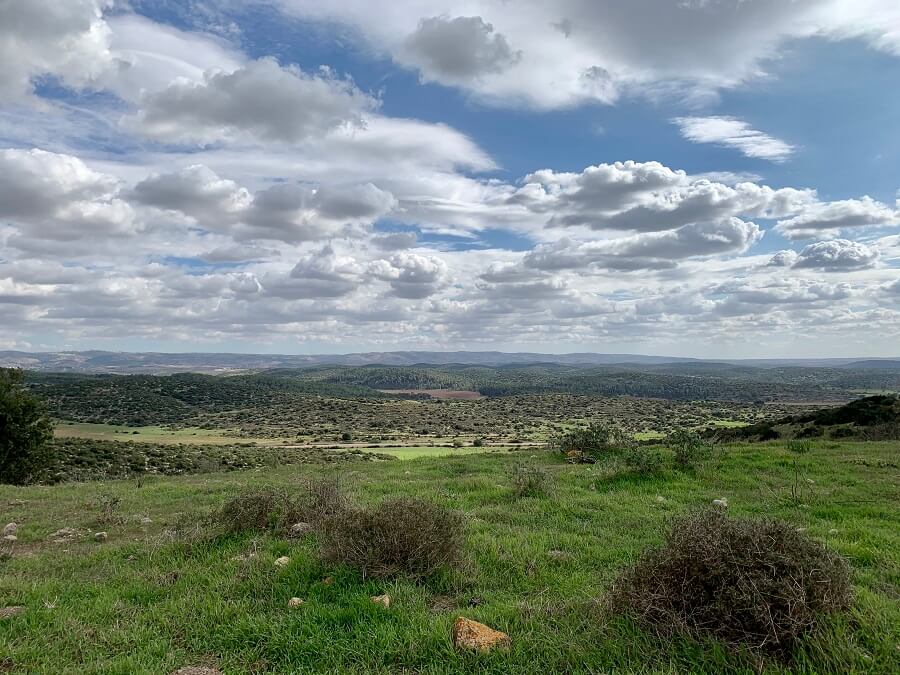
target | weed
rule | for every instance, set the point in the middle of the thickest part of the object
(529, 480)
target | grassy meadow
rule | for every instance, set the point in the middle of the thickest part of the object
(150, 601)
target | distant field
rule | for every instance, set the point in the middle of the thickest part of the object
(460, 395)
(415, 452)
(148, 434)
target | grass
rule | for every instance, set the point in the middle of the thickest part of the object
(415, 452)
(147, 434)
(144, 602)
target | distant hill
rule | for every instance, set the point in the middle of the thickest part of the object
(213, 363)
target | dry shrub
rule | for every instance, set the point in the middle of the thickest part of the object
(529, 480)
(401, 536)
(753, 583)
(277, 510)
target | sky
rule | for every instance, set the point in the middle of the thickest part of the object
(706, 178)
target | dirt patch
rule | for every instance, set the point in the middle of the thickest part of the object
(461, 395)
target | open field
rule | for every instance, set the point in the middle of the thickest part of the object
(146, 434)
(147, 601)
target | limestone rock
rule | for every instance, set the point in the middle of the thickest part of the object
(468, 634)
(293, 603)
(100, 536)
(383, 600)
(11, 528)
(10, 538)
(300, 530)
(8, 612)
(64, 535)
(721, 502)
(282, 561)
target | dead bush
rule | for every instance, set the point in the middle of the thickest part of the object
(401, 536)
(753, 583)
(256, 510)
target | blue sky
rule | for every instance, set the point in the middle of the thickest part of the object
(711, 178)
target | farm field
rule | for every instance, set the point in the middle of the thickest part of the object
(151, 600)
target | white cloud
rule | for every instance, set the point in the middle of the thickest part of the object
(261, 100)
(837, 254)
(734, 133)
(819, 218)
(68, 40)
(456, 50)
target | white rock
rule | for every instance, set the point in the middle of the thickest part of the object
(100, 536)
(10, 538)
(295, 602)
(282, 561)
(721, 502)
(11, 528)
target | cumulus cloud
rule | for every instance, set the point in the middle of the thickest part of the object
(837, 255)
(410, 275)
(819, 218)
(456, 50)
(736, 134)
(574, 51)
(261, 100)
(68, 40)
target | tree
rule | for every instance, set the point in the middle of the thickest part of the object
(25, 432)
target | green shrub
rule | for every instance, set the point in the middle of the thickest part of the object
(643, 461)
(26, 451)
(754, 583)
(798, 446)
(403, 536)
(591, 443)
(529, 480)
(688, 446)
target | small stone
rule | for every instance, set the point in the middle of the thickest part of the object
(300, 530)
(721, 502)
(327, 581)
(100, 536)
(11, 528)
(660, 499)
(468, 634)
(64, 535)
(383, 600)
(293, 603)
(832, 531)
(9, 612)
(10, 538)
(282, 561)
(196, 670)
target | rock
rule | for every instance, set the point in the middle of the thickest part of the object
(197, 670)
(293, 603)
(327, 581)
(100, 536)
(660, 499)
(832, 531)
(468, 634)
(64, 535)
(721, 502)
(300, 529)
(282, 561)
(383, 600)
(10, 538)
(11, 528)
(9, 612)
(244, 557)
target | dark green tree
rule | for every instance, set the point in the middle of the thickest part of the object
(26, 432)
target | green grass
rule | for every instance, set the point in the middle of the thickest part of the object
(145, 603)
(415, 452)
(146, 434)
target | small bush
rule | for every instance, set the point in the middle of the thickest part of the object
(643, 461)
(591, 443)
(798, 446)
(688, 446)
(26, 433)
(478, 443)
(257, 511)
(402, 536)
(529, 480)
(759, 584)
